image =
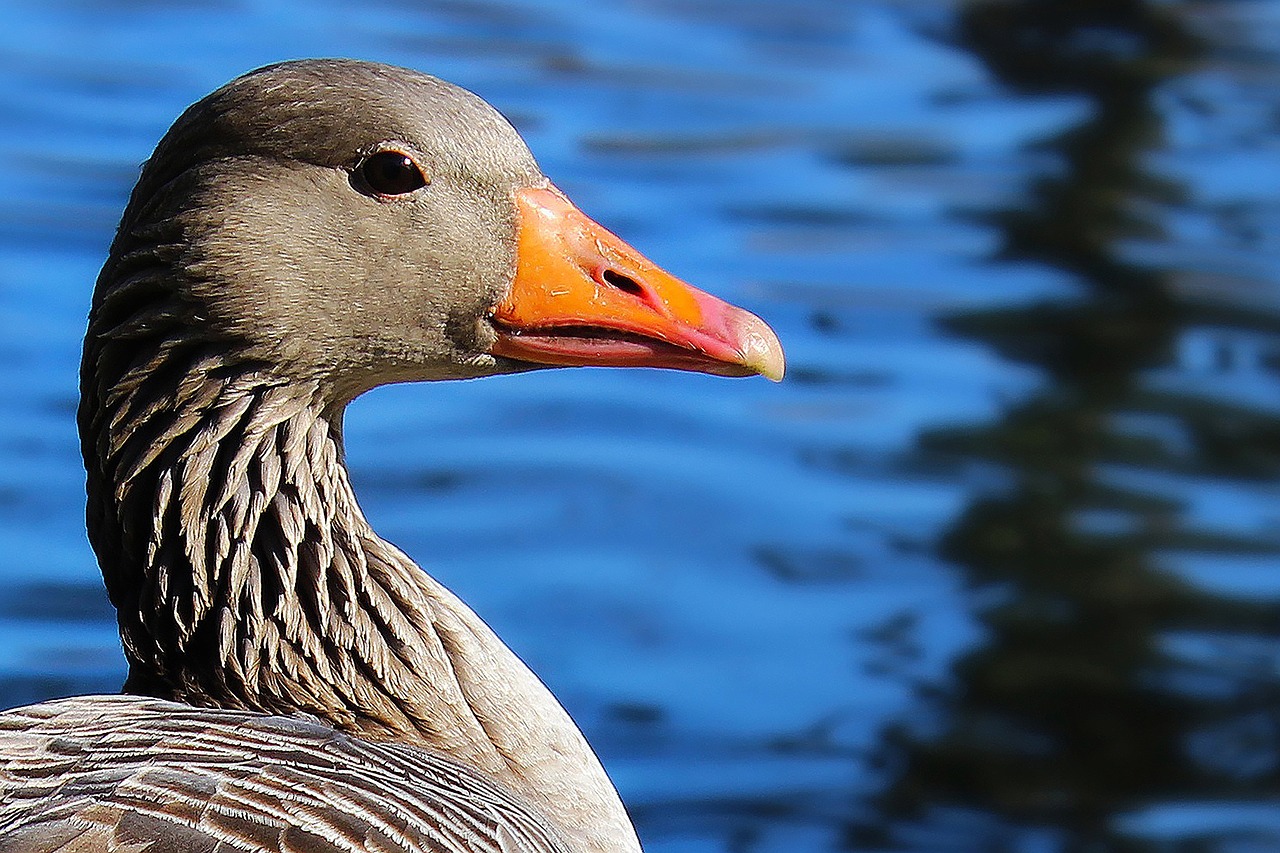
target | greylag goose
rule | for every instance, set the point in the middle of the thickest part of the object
(296, 683)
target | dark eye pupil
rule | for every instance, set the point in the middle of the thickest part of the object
(392, 173)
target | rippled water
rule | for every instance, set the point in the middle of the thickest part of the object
(995, 569)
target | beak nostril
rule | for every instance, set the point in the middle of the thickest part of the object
(622, 281)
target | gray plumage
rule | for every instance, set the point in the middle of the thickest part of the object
(132, 774)
(251, 292)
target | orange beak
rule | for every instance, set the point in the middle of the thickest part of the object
(582, 296)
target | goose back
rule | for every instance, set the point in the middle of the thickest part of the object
(129, 773)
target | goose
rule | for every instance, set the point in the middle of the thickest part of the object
(310, 231)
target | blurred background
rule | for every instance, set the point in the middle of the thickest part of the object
(997, 568)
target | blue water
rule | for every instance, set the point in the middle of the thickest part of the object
(996, 568)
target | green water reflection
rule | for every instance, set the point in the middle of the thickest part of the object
(1084, 706)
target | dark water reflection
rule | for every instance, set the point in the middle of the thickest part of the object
(1112, 692)
(997, 568)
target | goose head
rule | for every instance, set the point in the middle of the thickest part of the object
(354, 224)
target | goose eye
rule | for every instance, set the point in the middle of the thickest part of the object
(391, 173)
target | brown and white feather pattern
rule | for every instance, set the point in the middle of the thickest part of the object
(246, 577)
(127, 774)
(242, 569)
